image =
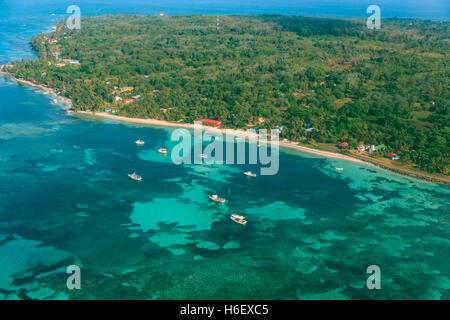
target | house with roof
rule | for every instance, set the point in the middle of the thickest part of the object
(213, 123)
(393, 156)
(127, 101)
(126, 89)
(361, 147)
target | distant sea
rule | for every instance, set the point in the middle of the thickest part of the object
(418, 9)
(312, 231)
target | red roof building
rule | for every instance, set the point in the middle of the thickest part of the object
(343, 144)
(392, 156)
(214, 123)
(127, 101)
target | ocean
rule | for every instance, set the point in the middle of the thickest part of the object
(65, 198)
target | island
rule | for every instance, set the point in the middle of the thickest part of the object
(381, 96)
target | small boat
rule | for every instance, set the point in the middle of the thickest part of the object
(203, 156)
(250, 174)
(216, 198)
(135, 177)
(238, 219)
(162, 151)
(139, 142)
(339, 169)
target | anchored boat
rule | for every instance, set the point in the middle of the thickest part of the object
(250, 174)
(162, 151)
(216, 198)
(139, 142)
(238, 219)
(135, 177)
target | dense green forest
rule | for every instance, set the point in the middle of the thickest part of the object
(346, 82)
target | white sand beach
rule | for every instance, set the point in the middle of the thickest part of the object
(236, 133)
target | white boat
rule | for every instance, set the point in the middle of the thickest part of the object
(216, 198)
(135, 177)
(238, 219)
(162, 150)
(139, 142)
(339, 169)
(203, 156)
(250, 174)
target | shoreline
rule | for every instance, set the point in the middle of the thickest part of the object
(285, 144)
(423, 177)
(46, 90)
(240, 133)
(232, 132)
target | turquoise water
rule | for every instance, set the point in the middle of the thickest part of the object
(65, 198)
